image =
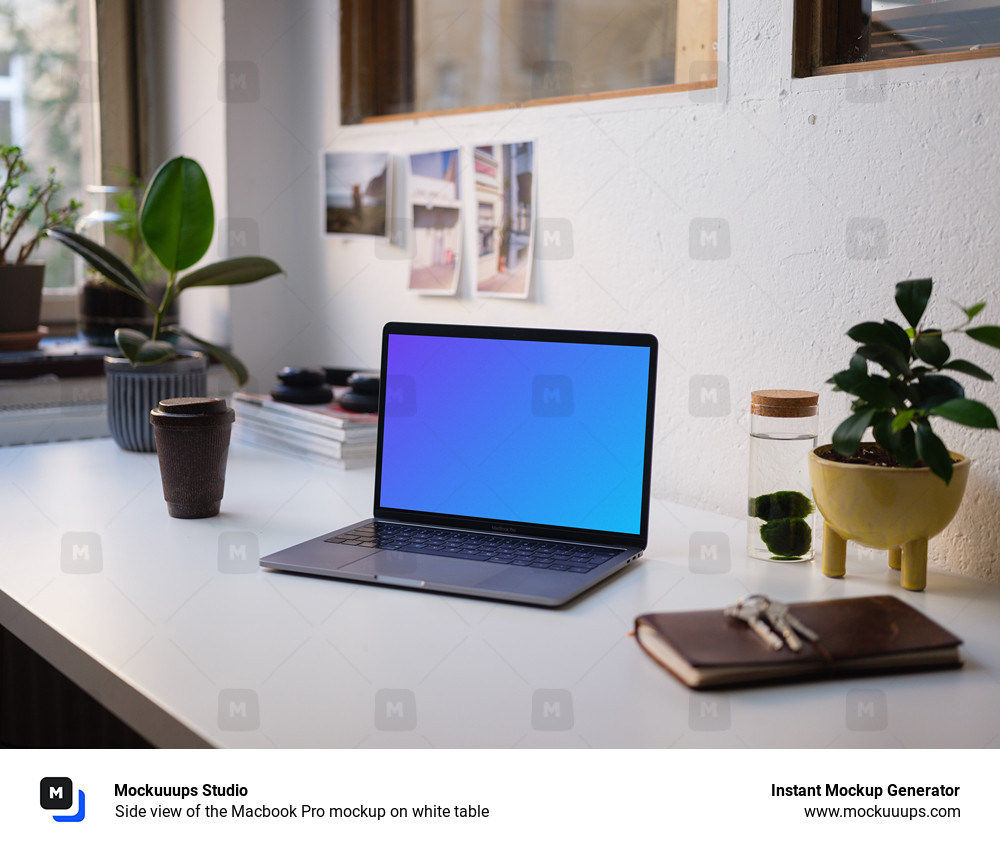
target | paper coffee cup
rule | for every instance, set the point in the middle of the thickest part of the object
(192, 443)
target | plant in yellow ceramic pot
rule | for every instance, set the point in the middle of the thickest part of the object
(904, 487)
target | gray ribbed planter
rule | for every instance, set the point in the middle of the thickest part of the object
(134, 391)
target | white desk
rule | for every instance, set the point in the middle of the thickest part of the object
(164, 633)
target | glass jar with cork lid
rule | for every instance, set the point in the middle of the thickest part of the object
(780, 511)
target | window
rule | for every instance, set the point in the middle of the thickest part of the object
(43, 86)
(833, 36)
(69, 97)
(11, 96)
(403, 57)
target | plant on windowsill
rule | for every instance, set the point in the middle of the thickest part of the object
(114, 223)
(176, 223)
(25, 215)
(906, 486)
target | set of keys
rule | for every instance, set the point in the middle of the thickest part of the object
(772, 622)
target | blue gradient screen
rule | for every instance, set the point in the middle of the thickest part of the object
(550, 433)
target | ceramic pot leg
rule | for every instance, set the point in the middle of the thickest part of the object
(914, 573)
(895, 558)
(834, 553)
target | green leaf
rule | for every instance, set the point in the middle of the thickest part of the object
(903, 393)
(966, 412)
(857, 370)
(229, 272)
(903, 419)
(232, 363)
(846, 380)
(883, 432)
(874, 388)
(934, 389)
(912, 297)
(154, 351)
(115, 271)
(888, 357)
(965, 367)
(139, 349)
(130, 341)
(849, 432)
(906, 448)
(931, 450)
(988, 335)
(177, 219)
(931, 348)
(899, 444)
(974, 310)
(887, 333)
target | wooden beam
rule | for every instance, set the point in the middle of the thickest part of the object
(910, 61)
(547, 101)
(118, 87)
(697, 37)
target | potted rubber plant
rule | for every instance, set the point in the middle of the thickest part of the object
(26, 212)
(176, 224)
(905, 486)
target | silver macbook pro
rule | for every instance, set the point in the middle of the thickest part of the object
(513, 464)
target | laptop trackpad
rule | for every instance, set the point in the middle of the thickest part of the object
(425, 568)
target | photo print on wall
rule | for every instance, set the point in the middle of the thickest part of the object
(505, 217)
(357, 194)
(436, 224)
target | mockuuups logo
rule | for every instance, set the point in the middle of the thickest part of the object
(56, 794)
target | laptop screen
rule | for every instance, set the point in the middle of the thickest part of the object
(545, 430)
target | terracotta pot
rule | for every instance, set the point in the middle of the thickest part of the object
(21, 297)
(889, 508)
(133, 391)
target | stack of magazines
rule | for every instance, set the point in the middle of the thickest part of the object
(325, 432)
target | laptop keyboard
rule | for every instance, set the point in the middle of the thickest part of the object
(491, 548)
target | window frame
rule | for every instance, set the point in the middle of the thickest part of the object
(824, 29)
(357, 22)
(111, 127)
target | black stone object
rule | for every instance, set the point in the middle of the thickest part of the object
(363, 394)
(337, 376)
(293, 376)
(301, 386)
(364, 382)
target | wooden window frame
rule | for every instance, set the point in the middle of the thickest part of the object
(824, 30)
(111, 129)
(361, 94)
(375, 34)
(119, 120)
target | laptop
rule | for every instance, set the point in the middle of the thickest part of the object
(513, 464)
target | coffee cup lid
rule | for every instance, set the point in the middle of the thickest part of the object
(192, 405)
(191, 411)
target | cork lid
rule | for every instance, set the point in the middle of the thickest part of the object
(191, 412)
(187, 406)
(783, 403)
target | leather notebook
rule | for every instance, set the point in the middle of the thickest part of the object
(857, 636)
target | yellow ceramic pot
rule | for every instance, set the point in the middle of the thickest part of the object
(890, 508)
